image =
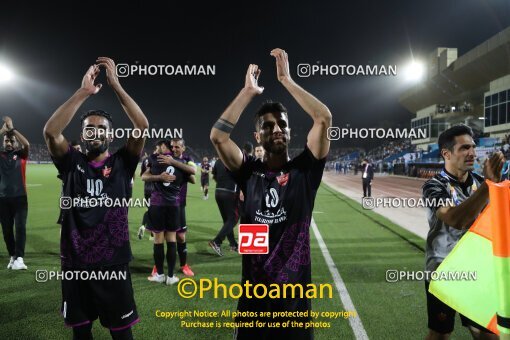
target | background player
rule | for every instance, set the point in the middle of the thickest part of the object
(13, 192)
(204, 177)
(227, 198)
(277, 187)
(147, 191)
(259, 152)
(167, 177)
(96, 238)
(178, 148)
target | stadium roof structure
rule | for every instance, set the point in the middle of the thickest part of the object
(473, 89)
(467, 76)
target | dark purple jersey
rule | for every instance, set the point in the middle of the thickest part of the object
(205, 170)
(184, 187)
(284, 200)
(95, 236)
(165, 193)
(147, 186)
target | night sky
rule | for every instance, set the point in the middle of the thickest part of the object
(50, 46)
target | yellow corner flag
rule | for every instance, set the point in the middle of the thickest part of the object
(485, 249)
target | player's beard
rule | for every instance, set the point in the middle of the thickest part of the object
(96, 150)
(276, 148)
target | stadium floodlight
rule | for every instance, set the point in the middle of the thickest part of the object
(414, 71)
(5, 74)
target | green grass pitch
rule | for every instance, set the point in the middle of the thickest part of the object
(362, 244)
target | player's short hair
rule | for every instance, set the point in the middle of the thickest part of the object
(178, 140)
(248, 148)
(166, 142)
(269, 107)
(10, 134)
(74, 143)
(447, 138)
(96, 113)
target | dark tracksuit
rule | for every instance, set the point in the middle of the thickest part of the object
(13, 201)
(227, 198)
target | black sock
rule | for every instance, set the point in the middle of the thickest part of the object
(183, 252)
(206, 191)
(159, 257)
(171, 257)
(83, 332)
(124, 334)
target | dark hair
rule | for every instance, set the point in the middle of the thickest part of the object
(447, 138)
(164, 141)
(10, 134)
(269, 107)
(248, 148)
(74, 143)
(96, 113)
(178, 140)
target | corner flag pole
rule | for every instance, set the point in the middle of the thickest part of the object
(500, 199)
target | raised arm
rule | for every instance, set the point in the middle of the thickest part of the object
(228, 151)
(464, 214)
(135, 114)
(56, 142)
(317, 140)
(9, 127)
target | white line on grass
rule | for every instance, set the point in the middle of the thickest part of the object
(356, 324)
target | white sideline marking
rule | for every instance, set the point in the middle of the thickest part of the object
(29, 185)
(356, 324)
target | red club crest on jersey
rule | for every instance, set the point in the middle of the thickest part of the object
(106, 172)
(283, 179)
